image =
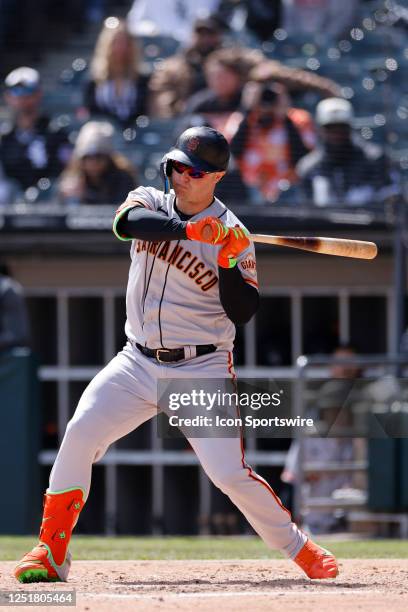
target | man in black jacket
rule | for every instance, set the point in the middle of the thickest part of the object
(342, 171)
(31, 147)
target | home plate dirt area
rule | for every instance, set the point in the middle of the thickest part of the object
(368, 585)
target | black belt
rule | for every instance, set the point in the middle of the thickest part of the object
(168, 355)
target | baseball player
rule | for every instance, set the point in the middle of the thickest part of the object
(192, 278)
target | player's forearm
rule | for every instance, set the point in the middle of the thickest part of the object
(151, 226)
(238, 298)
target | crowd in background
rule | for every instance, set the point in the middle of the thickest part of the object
(218, 76)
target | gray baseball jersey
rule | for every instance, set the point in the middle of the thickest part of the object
(172, 295)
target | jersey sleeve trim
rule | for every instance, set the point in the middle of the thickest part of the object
(250, 281)
(123, 210)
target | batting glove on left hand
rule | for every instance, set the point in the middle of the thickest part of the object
(236, 242)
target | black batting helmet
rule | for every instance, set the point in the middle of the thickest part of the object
(201, 147)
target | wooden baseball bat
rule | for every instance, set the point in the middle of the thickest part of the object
(359, 249)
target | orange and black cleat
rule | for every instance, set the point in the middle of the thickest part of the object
(317, 562)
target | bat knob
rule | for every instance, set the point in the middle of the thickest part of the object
(207, 233)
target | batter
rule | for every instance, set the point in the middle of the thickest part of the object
(192, 278)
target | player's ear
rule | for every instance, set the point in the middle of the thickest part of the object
(219, 175)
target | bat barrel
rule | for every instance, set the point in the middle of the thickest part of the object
(342, 247)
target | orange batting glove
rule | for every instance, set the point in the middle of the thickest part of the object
(210, 230)
(236, 242)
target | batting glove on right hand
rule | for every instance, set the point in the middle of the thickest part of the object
(209, 230)
(236, 242)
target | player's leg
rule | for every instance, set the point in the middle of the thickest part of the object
(119, 399)
(223, 460)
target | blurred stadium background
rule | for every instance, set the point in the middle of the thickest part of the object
(73, 272)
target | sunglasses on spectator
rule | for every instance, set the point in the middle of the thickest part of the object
(192, 172)
(22, 90)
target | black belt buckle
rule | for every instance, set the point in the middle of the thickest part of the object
(158, 351)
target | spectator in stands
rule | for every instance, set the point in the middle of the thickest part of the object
(96, 174)
(31, 146)
(226, 72)
(180, 76)
(270, 137)
(14, 324)
(330, 19)
(343, 171)
(173, 18)
(117, 88)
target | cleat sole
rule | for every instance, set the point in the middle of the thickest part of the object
(35, 575)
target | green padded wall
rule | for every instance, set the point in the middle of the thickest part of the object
(20, 494)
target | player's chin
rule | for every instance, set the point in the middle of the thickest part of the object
(181, 189)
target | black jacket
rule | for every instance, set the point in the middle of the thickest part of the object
(132, 107)
(356, 167)
(29, 156)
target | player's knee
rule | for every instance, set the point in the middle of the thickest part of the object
(79, 432)
(82, 436)
(228, 479)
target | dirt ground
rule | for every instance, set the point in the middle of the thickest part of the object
(366, 585)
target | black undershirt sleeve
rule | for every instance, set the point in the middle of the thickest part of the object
(238, 298)
(151, 226)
